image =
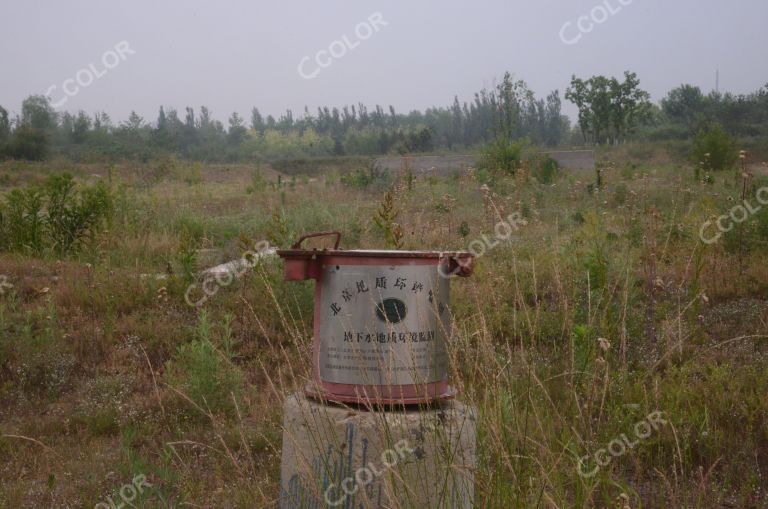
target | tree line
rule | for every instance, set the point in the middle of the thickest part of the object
(610, 111)
(510, 108)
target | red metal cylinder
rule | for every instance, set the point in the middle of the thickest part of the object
(381, 321)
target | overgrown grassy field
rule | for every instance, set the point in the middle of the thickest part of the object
(603, 308)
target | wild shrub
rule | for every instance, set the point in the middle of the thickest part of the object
(56, 216)
(71, 215)
(371, 176)
(204, 372)
(193, 173)
(187, 259)
(714, 149)
(21, 223)
(258, 181)
(29, 143)
(385, 220)
(279, 232)
(544, 169)
(752, 233)
(502, 155)
(154, 173)
(190, 227)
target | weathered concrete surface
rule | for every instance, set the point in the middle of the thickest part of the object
(574, 159)
(337, 456)
(445, 165)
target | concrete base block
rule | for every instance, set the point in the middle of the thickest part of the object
(337, 456)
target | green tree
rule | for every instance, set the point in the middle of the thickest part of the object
(457, 128)
(5, 128)
(684, 105)
(80, 127)
(555, 124)
(629, 105)
(134, 123)
(509, 101)
(37, 113)
(609, 110)
(31, 138)
(28, 143)
(237, 130)
(257, 121)
(579, 95)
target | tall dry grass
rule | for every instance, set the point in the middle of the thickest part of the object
(604, 308)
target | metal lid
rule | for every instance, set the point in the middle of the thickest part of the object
(369, 253)
(296, 251)
(301, 264)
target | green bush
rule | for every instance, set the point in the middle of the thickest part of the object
(28, 143)
(544, 169)
(502, 154)
(258, 181)
(752, 233)
(372, 176)
(72, 216)
(205, 373)
(56, 216)
(21, 221)
(714, 149)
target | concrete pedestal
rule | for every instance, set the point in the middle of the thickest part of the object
(336, 456)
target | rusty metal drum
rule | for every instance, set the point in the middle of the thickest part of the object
(381, 321)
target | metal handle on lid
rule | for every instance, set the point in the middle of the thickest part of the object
(297, 244)
(456, 265)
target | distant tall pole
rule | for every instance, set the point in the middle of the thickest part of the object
(717, 80)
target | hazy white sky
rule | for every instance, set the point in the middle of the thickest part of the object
(232, 55)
